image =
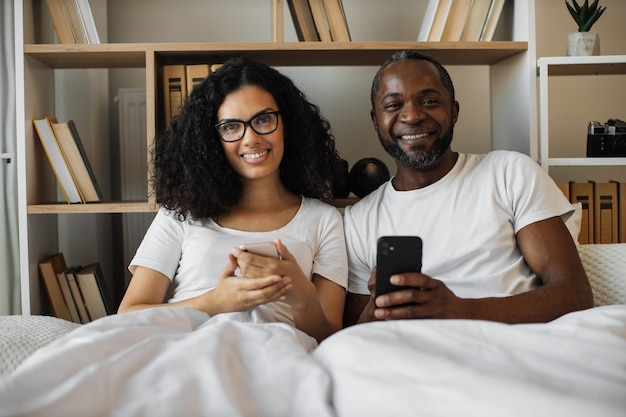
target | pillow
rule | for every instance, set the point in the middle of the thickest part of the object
(21, 336)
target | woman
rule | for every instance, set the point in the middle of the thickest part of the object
(245, 161)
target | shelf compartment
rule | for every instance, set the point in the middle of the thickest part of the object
(568, 66)
(132, 55)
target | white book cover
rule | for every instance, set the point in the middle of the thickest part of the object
(427, 20)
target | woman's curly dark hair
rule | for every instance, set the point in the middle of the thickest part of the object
(191, 175)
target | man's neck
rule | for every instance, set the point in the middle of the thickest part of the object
(407, 179)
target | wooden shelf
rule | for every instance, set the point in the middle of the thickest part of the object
(131, 55)
(105, 207)
(127, 207)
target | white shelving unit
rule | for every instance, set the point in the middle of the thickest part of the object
(565, 66)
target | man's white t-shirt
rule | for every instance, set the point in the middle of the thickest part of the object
(467, 221)
(192, 253)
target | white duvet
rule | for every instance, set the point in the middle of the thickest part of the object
(178, 362)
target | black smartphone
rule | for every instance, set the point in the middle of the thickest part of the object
(395, 255)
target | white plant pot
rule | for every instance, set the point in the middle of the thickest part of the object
(583, 44)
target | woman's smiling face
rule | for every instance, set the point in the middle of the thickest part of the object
(254, 156)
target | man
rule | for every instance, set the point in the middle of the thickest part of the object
(495, 245)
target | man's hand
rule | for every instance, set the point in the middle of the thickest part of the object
(427, 298)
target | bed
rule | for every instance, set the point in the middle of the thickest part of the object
(177, 361)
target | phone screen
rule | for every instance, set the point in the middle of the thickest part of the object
(395, 255)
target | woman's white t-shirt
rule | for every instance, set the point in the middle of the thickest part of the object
(192, 253)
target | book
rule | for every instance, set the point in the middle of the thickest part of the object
(48, 269)
(455, 23)
(175, 90)
(57, 160)
(320, 20)
(88, 23)
(491, 22)
(195, 74)
(79, 301)
(582, 192)
(94, 290)
(337, 21)
(67, 294)
(303, 20)
(439, 21)
(76, 157)
(606, 212)
(476, 20)
(61, 21)
(621, 211)
(76, 22)
(427, 20)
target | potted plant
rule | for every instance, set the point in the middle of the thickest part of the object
(584, 42)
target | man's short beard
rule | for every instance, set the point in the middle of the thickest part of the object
(423, 160)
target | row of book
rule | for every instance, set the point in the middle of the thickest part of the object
(73, 21)
(178, 82)
(319, 20)
(603, 210)
(68, 159)
(460, 20)
(78, 293)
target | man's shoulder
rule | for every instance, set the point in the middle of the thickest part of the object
(506, 156)
(498, 159)
(369, 202)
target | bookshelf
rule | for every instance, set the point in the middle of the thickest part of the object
(44, 218)
(604, 65)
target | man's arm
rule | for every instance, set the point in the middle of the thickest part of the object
(355, 307)
(550, 252)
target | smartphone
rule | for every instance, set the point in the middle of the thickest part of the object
(268, 249)
(395, 255)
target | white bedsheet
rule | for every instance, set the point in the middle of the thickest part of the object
(172, 362)
(178, 362)
(573, 366)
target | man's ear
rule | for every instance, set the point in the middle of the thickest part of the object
(374, 121)
(455, 111)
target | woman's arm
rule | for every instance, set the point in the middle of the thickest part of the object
(148, 288)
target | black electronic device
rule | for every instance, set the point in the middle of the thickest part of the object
(396, 255)
(606, 139)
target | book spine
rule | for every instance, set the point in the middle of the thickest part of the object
(175, 88)
(57, 160)
(583, 193)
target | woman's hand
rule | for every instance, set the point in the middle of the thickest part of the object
(302, 290)
(234, 293)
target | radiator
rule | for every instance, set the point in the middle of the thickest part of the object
(133, 168)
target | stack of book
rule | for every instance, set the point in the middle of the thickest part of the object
(319, 20)
(77, 294)
(460, 20)
(603, 210)
(68, 159)
(73, 21)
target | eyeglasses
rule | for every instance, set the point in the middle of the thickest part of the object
(262, 124)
